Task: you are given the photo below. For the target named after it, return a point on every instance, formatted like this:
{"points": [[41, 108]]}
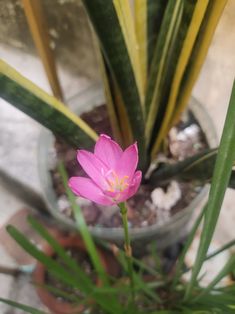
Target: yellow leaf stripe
{"points": [[213, 18], [141, 35], [126, 21], [50, 100], [108, 94], [153, 108], [37, 25], [185, 54]]}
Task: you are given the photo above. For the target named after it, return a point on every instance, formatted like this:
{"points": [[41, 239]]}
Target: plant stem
{"points": [[127, 245]]}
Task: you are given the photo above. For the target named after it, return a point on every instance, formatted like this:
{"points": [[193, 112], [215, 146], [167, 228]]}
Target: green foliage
{"points": [[25, 308], [140, 69], [44, 108], [221, 175]]}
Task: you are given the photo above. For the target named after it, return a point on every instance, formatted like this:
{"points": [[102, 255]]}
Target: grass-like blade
{"points": [[220, 180], [69, 262], [220, 250], [57, 270], [180, 263], [227, 269], [23, 307], [82, 226]]}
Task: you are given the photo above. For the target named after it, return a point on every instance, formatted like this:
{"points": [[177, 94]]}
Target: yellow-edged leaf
{"points": [[37, 25], [127, 135], [153, 108], [126, 21], [185, 54], [44, 108], [108, 94], [215, 11], [141, 36]]}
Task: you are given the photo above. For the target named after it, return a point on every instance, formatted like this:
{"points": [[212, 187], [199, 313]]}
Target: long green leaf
{"points": [[185, 53], [170, 25], [180, 262], [51, 265], [220, 250], [155, 13], [69, 262], [198, 167], [82, 227], [220, 180], [61, 273], [214, 11], [46, 109], [106, 23], [227, 269], [25, 308]]}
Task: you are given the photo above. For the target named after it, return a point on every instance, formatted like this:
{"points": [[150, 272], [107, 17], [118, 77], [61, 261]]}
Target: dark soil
{"points": [[142, 212]]}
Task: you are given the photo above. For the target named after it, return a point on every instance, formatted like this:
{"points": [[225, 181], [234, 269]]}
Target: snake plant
{"points": [[150, 55]]}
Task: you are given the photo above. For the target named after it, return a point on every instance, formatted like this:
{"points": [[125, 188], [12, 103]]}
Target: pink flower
{"points": [[112, 171]]}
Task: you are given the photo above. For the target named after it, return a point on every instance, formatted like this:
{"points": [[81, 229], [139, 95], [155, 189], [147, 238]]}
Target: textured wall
{"points": [[68, 29]]}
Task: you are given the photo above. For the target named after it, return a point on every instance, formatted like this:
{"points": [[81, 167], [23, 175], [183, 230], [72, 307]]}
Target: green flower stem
{"points": [[127, 244]]}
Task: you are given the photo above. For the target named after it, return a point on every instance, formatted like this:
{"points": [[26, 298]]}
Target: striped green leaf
{"points": [[205, 35], [162, 56], [108, 27], [182, 62], [46, 109], [155, 13]]}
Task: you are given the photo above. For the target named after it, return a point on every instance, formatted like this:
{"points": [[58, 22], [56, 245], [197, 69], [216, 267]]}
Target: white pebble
{"points": [[166, 200]]}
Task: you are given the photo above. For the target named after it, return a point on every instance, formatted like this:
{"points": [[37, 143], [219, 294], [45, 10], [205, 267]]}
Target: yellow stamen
{"points": [[117, 184]]}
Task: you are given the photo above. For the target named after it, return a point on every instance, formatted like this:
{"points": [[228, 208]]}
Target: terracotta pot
{"points": [[62, 307]]}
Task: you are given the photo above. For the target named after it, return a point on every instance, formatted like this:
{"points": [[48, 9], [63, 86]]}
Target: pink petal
{"points": [[128, 193], [108, 151], [86, 188], [93, 167], [128, 162]]}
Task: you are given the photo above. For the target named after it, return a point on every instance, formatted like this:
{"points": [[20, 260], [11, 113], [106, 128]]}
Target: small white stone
{"points": [[166, 200], [63, 203], [144, 223], [53, 33], [52, 44]]}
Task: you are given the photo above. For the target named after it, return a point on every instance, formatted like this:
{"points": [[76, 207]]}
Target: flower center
{"points": [[117, 184]]}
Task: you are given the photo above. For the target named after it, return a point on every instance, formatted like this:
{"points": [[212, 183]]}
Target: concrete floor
{"points": [[19, 134]]}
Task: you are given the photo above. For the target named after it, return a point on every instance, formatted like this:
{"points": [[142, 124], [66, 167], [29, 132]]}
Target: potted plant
{"points": [[149, 60], [164, 293]]}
